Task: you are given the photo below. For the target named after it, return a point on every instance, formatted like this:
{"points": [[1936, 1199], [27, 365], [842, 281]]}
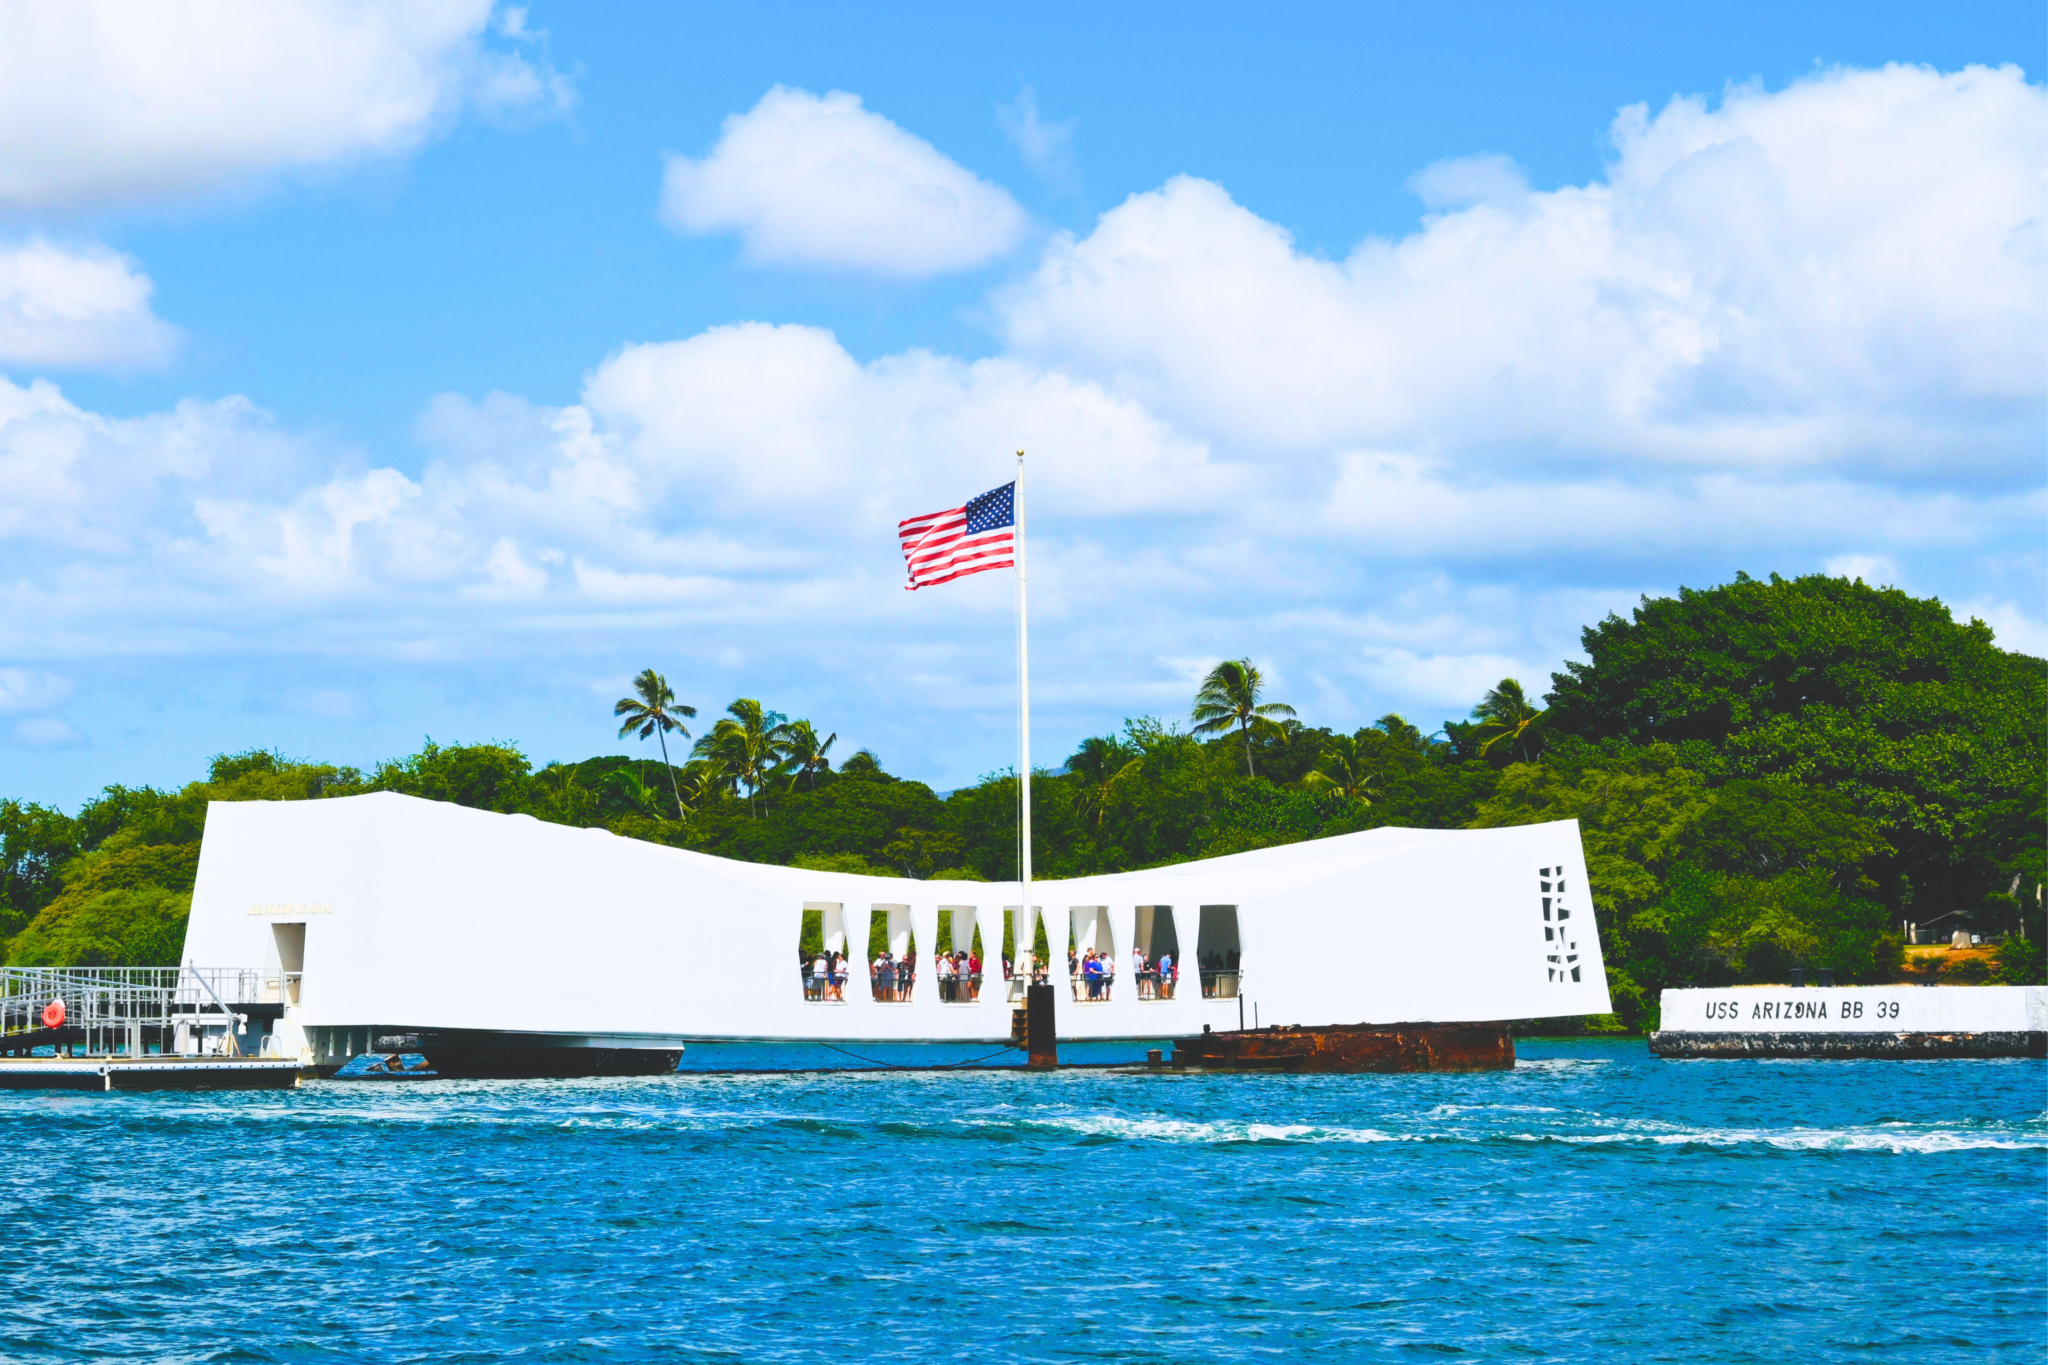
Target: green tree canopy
{"points": [[1096, 770], [1922, 724], [1345, 768]]}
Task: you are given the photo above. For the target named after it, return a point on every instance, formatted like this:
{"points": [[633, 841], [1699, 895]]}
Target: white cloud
{"points": [[1845, 274], [2012, 626], [1046, 146], [75, 307], [105, 101], [1880, 571], [751, 453], [756, 417], [814, 180], [1409, 506], [1462, 181], [45, 732], [29, 689], [1392, 672], [1393, 479], [81, 482]]}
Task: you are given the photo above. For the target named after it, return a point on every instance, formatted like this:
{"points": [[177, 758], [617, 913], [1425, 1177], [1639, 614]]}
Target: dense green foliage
{"points": [[1767, 775], [1921, 723]]}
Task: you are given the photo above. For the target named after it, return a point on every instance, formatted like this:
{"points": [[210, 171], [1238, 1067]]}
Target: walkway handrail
{"points": [[98, 998], [206, 985]]}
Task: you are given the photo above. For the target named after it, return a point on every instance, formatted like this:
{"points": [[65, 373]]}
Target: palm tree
{"points": [[1505, 714], [654, 711], [806, 753], [1406, 737], [1098, 769], [1230, 696], [748, 744], [1342, 769], [701, 781], [861, 761], [624, 786]]}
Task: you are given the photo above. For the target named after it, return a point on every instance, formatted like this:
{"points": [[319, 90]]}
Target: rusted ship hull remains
{"points": [[1357, 1048]]}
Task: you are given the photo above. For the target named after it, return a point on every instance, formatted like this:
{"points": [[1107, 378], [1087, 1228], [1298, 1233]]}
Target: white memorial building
{"points": [[376, 917]]}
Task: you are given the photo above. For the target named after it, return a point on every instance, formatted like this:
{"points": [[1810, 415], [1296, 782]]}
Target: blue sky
{"points": [[374, 373]]}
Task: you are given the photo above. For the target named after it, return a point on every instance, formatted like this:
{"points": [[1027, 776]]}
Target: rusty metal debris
{"points": [[1351, 1048]]}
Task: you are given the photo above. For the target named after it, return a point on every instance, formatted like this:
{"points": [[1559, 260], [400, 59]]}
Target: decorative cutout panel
{"points": [[1560, 949]]}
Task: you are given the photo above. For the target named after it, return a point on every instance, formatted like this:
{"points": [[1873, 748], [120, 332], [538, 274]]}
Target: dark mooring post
{"points": [[1038, 1028]]}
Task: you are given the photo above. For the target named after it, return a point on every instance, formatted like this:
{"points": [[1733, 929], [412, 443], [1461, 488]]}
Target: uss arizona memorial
{"points": [[555, 949]]}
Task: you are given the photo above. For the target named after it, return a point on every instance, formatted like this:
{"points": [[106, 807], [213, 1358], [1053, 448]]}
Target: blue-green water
{"points": [[1592, 1205]]}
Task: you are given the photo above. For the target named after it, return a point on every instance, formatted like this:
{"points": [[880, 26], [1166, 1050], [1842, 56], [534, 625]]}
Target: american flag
{"points": [[943, 546]]}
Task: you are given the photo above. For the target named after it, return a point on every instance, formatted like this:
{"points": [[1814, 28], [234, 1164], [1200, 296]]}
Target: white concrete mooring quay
{"points": [[1902, 1023]]}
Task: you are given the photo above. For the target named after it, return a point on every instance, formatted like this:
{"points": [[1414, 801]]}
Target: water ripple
{"points": [[1594, 1204]]}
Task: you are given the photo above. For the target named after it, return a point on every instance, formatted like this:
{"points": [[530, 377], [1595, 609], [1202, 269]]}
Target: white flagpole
{"points": [[1025, 915]]}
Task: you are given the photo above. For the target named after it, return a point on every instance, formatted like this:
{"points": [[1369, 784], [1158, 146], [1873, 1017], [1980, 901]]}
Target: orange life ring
{"points": [[53, 1014]]}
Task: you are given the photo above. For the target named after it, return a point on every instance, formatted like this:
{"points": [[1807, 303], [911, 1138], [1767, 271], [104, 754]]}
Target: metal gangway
{"points": [[124, 1009]]}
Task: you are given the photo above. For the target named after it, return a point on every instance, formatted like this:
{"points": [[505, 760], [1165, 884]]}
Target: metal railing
{"points": [[1152, 986], [1092, 990], [961, 988], [892, 985], [1220, 985], [827, 989], [109, 1006], [1021, 977]]}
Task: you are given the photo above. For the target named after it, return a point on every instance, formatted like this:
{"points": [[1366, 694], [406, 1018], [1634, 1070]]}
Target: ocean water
{"points": [[1592, 1205]]}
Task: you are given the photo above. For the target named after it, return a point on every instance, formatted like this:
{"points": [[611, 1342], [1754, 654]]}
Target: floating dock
{"points": [[148, 1073], [135, 1028], [1896, 1023]]}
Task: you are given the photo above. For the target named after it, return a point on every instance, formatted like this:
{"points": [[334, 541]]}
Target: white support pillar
{"points": [[923, 921], [1021, 937], [1123, 930], [995, 991], [1083, 931], [832, 928], [859, 985], [1026, 924], [1071, 938]]}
